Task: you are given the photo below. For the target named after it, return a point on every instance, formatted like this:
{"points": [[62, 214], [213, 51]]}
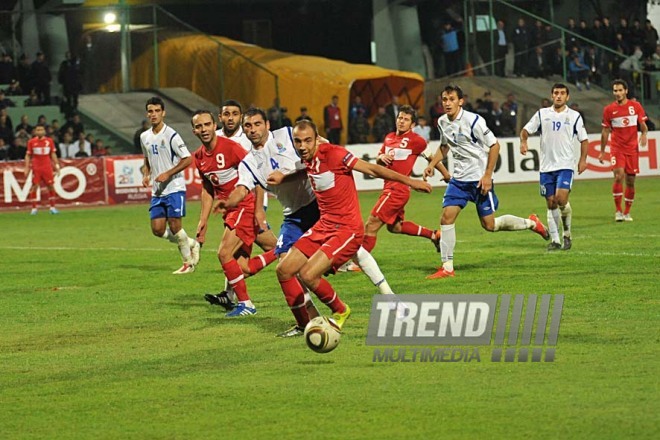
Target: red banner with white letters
{"points": [[87, 181]]}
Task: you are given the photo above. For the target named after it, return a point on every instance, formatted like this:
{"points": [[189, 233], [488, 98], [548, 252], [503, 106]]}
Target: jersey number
{"points": [[556, 125], [154, 149], [404, 143], [220, 159], [631, 110], [274, 164]]}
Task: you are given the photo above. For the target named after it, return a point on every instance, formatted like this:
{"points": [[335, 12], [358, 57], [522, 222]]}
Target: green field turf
{"points": [[99, 340]]}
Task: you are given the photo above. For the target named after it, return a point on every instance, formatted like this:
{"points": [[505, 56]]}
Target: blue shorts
{"points": [[295, 225], [460, 193], [554, 180], [169, 206]]}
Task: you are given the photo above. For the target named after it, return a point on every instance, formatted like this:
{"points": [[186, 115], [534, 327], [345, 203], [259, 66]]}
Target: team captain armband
{"points": [[349, 160]]}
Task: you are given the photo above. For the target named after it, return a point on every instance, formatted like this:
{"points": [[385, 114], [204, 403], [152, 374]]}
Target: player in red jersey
{"points": [[621, 119], [399, 152], [338, 234], [217, 163], [40, 157]]}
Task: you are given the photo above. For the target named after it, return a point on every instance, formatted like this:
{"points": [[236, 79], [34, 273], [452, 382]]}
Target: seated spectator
{"points": [[75, 124], [286, 120], [14, 88], [304, 115], [24, 125], [356, 108], [33, 100], [17, 149], [575, 106], [4, 150], [66, 145], [6, 131], [4, 101], [358, 129], [495, 123], [381, 125], [137, 145], [81, 152], [630, 70], [422, 128], [467, 105], [508, 119], [100, 149], [578, 70], [81, 145], [538, 68]]}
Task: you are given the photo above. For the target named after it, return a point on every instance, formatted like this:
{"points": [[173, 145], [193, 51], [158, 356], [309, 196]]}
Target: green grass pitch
{"points": [[99, 340]]}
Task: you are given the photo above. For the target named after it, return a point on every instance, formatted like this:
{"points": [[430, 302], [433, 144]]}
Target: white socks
{"points": [[183, 242], [512, 223], [370, 268], [447, 245], [553, 225]]}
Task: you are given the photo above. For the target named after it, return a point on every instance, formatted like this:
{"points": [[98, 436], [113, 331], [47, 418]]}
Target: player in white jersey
{"points": [[274, 165], [165, 158], [560, 126], [475, 151]]}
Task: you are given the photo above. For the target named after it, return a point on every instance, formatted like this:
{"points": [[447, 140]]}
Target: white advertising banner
{"points": [[514, 167]]}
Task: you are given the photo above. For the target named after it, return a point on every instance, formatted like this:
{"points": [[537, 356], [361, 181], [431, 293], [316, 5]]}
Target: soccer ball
{"points": [[322, 334]]}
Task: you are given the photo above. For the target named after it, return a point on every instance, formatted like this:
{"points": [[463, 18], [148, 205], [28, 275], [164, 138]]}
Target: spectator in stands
{"points": [[520, 41], [537, 67], [575, 106], [637, 35], [17, 149], [100, 149], [578, 69], [275, 115], [650, 39], [501, 49], [621, 44], [356, 107], [332, 121], [594, 61], [24, 124], [358, 128], [303, 115], [435, 111], [422, 128], [467, 105], [6, 131], [451, 49], [609, 32], [381, 125], [14, 88], [25, 75], [286, 120], [82, 144], [70, 77], [42, 78], [538, 35], [496, 119], [4, 150], [81, 152], [4, 101], [41, 120], [54, 135], [67, 146], [5, 113], [511, 108], [137, 145], [33, 100], [545, 102], [7, 69], [586, 33], [630, 71], [572, 40], [392, 112], [74, 123]]}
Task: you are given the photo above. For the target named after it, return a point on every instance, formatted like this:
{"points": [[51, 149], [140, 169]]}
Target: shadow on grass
{"points": [[319, 362]]}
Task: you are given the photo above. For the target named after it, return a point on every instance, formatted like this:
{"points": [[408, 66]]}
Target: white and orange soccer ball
{"points": [[322, 334]]}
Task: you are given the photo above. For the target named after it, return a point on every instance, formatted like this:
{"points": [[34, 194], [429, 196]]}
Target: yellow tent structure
{"points": [[219, 68]]}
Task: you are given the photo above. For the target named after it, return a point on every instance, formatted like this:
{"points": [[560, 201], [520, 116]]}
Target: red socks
{"points": [[410, 228], [617, 193], [236, 279], [255, 264]]}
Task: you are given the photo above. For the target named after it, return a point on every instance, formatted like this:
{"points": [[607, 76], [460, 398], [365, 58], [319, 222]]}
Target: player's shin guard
{"points": [[255, 264], [370, 268], [410, 228], [553, 224], [617, 193], [369, 242], [329, 297], [182, 241], [629, 199], [295, 298], [511, 223], [566, 218], [236, 279], [447, 245]]}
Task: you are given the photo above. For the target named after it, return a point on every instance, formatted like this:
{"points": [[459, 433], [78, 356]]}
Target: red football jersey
{"points": [[331, 176], [220, 167], [622, 120], [40, 150], [404, 149]]}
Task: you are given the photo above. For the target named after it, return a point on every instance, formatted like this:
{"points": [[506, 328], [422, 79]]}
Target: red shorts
{"points": [[44, 175], [241, 221], [628, 160], [339, 245], [389, 207]]}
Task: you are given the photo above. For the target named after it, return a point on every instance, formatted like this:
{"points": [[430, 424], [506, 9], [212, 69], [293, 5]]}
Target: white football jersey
{"points": [[559, 131], [469, 139], [278, 154], [239, 136], [164, 150]]}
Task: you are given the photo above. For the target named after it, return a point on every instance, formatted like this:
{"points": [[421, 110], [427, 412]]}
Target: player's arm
{"points": [[584, 149], [182, 165], [55, 161], [524, 135], [28, 160], [438, 166], [278, 176], [236, 197], [604, 136], [486, 182], [429, 171], [259, 211], [205, 211], [146, 173], [375, 170], [643, 138]]}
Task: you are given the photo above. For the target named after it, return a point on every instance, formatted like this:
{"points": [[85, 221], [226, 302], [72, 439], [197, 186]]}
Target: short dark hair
{"points": [[407, 109], [254, 111], [202, 112], [560, 86], [620, 82], [232, 103], [155, 100], [304, 123], [455, 88]]}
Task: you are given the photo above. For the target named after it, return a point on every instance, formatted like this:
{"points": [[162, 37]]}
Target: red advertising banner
{"points": [[81, 182], [124, 180]]}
